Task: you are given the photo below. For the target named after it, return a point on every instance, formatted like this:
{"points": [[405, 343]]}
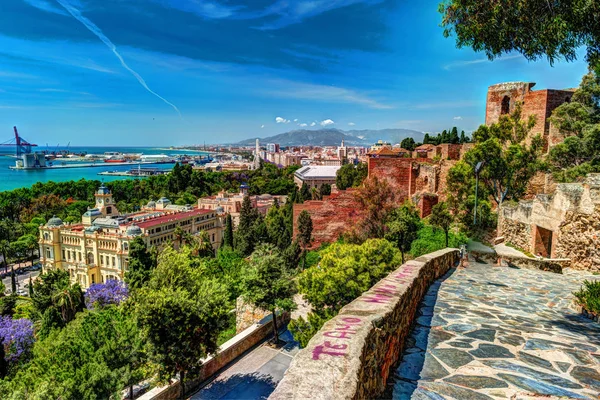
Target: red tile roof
{"points": [[171, 218], [427, 147]]}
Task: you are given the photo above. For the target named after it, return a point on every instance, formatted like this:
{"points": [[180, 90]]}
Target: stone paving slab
{"points": [[487, 332]]}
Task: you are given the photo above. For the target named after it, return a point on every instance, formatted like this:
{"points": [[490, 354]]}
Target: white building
{"points": [[316, 175]]}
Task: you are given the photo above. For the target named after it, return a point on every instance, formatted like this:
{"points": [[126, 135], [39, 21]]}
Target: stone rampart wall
{"points": [[351, 356], [517, 233], [579, 240]]}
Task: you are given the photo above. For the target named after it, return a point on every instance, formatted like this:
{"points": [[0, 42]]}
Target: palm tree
{"points": [[68, 298], [202, 245]]}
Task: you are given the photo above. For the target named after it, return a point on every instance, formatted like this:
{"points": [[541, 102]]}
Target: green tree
{"points": [[269, 284], [56, 300], [408, 144], [94, 357], [276, 227], [403, 225], [376, 200], [305, 193], [345, 177], [579, 121], [245, 239], [228, 236], [344, 272], [141, 264], [509, 161], [202, 245], [13, 281], [181, 314], [325, 189], [558, 30], [440, 217], [304, 236], [453, 136]]}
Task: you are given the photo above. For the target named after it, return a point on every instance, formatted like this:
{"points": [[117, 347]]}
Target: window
{"points": [[101, 260], [46, 236], [48, 253], [505, 105], [114, 261], [93, 279], [90, 258], [63, 254], [79, 255], [109, 210]]}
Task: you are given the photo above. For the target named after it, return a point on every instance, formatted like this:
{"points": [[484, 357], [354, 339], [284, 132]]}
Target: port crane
{"points": [[22, 145]]}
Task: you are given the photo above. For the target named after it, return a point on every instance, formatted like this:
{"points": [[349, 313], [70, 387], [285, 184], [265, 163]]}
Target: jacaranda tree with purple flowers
{"points": [[103, 294], [17, 338]]}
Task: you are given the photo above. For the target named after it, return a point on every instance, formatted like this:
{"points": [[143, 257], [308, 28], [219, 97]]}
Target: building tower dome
{"points": [[54, 222], [103, 190], [134, 230]]}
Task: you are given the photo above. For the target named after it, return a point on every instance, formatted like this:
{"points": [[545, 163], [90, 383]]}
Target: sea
{"points": [[12, 179]]}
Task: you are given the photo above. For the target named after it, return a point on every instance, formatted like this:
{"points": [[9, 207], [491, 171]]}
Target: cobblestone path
{"points": [[486, 332]]}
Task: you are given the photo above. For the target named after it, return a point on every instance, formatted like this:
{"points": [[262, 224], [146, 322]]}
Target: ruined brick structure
{"points": [[565, 224], [502, 98], [420, 180], [331, 216]]}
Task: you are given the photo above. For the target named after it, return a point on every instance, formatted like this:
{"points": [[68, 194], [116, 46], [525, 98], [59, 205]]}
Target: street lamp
{"points": [[478, 168]]}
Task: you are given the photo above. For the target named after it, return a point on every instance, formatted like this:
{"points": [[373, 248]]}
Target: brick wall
{"points": [[450, 151], [426, 203], [331, 217]]}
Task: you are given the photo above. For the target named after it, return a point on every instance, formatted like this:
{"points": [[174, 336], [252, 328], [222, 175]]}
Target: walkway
{"points": [[486, 332], [254, 376]]}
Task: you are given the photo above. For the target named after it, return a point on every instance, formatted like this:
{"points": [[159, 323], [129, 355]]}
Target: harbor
{"points": [[138, 172], [72, 163]]}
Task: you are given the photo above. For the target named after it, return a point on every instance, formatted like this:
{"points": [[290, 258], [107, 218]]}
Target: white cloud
{"points": [[457, 118], [466, 63], [313, 124], [296, 120], [262, 126], [303, 125], [351, 124], [280, 120], [327, 122]]}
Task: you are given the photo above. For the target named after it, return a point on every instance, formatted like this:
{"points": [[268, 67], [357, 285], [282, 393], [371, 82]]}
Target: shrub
{"points": [[432, 239], [589, 296]]}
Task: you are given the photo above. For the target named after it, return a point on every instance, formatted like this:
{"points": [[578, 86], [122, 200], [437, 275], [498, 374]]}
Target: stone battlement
{"points": [[351, 356], [564, 224]]}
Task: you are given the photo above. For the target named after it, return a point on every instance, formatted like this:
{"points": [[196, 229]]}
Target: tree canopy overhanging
{"points": [[534, 28]]}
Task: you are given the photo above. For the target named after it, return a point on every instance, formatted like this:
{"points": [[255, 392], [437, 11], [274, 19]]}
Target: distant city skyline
{"points": [[176, 72]]}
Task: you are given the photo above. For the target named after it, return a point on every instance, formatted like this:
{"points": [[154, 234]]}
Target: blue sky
{"points": [[175, 72]]}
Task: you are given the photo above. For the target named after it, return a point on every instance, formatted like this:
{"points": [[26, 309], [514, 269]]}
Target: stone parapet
{"points": [[351, 356]]}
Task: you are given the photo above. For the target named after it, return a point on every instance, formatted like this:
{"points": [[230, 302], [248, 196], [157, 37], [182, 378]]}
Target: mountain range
{"points": [[333, 137]]}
